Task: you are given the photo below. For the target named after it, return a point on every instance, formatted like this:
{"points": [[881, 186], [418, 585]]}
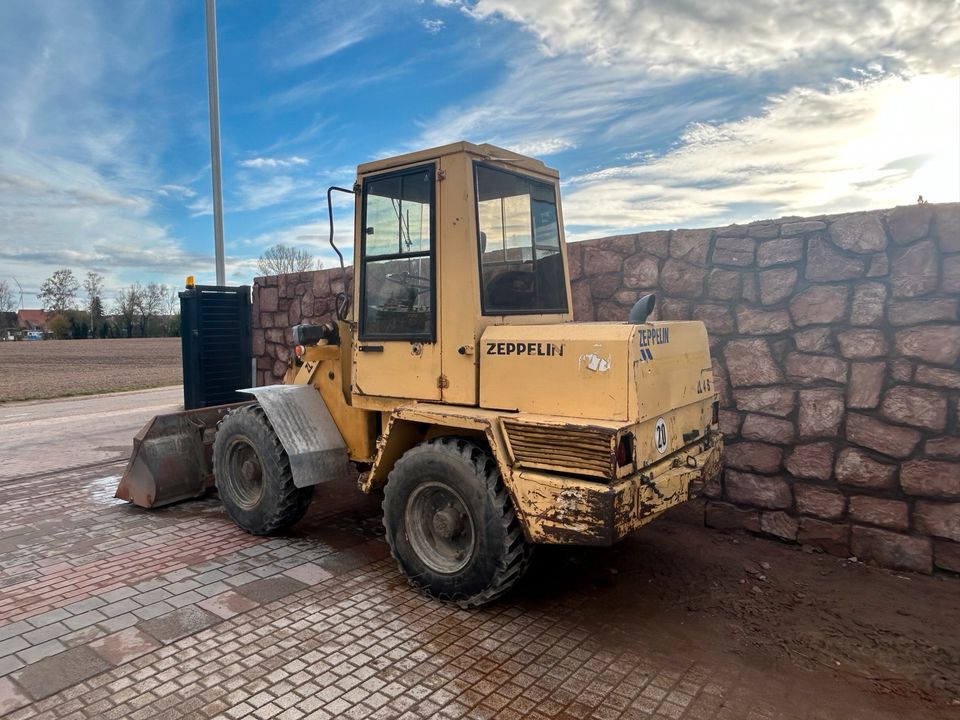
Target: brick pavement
{"points": [[109, 611]]}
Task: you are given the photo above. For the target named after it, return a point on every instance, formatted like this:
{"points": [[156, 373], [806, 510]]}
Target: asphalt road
{"points": [[46, 436]]}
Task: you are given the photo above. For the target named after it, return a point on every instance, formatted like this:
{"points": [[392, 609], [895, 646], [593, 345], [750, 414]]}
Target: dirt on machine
{"points": [[458, 383]]}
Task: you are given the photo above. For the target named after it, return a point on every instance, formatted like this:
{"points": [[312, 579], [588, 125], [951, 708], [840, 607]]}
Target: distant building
{"points": [[32, 320], [9, 326]]}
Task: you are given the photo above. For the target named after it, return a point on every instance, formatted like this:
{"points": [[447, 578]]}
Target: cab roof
{"points": [[484, 151]]}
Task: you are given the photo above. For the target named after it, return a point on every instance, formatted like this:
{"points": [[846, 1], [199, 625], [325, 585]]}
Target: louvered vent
{"points": [[579, 451]]}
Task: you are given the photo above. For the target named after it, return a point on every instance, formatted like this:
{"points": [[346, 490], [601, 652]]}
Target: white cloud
{"points": [[271, 163], [875, 144], [432, 26]]}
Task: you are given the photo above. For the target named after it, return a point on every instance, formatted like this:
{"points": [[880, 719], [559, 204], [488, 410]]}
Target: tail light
{"points": [[625, 450], [298, 350]]}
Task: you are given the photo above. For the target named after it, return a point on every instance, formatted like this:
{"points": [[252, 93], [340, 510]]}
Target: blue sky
{"points": [[657, 114]]}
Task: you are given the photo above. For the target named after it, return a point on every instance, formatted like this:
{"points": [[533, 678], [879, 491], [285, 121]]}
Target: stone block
{"points": [[763, 230], [950, 282], [58, 672], [803, 368], [940, 519], [915, 270], [767, 429], [866, 384], [641, 271], [879, 266], [582, 301], [269, 589], [938, 344], [749, 362], [941, 377], [778, 401], [622, 244], [946, 224], [813, 460], [792, 229], [753, 457], [855, 467], [832, 538], [892, 550], [819, 501], [604, 286], [743, 488], [717, 318], [915, 406], [738, 252], [178, 624], [868, 432], [820, 305], [761, 322], [780, 252], [814, 340], [869, 299], [721, 383], [862, 344], [269, 299], [723, 516], [948, 447], [946, 556], [901, 370], [682, 279], [124, 646], [749, 290], [779, 524], [598, 262], [729, 423], [861, 233], [690, 246], [821, 412], [890, 514], [930, 477], [259, 342], [672, 309], [723, 284], [914, 312], [826, 264], [655, 243], [777, 284], [909, 223]]}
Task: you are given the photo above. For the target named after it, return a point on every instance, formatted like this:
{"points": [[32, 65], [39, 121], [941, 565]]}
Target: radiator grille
{"points": [[580, 451]]}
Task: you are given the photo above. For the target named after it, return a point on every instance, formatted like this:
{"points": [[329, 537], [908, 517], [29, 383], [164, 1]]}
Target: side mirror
{"points": [[641, 309]]}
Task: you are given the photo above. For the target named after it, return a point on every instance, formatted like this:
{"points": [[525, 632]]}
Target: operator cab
{"points": [[449, 241]]}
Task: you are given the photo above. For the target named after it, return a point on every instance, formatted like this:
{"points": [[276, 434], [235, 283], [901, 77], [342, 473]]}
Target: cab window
{"points": [[521, 267], [397, 288]]}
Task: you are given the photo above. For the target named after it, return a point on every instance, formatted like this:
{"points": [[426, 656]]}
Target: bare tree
{"points": [[59, 291], [7, 302], [126, 306], [93, 287], [281, 259], [151, 301]]}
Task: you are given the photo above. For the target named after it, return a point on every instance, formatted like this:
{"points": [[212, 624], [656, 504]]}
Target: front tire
{"points": [[451, 525], [253, 475]]}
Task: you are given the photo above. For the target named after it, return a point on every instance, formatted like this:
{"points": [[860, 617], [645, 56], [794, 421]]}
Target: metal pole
{"points": [[214, 93]]}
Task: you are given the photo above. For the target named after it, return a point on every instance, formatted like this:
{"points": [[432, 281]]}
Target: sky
{"points": [[657, 113]]}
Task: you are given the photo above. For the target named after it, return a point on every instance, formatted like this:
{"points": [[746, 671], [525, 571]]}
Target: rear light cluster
{"points": [[625, 450]]}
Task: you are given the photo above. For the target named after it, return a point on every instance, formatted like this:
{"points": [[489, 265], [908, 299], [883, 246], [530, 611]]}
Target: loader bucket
{"points": [[172, 457]]}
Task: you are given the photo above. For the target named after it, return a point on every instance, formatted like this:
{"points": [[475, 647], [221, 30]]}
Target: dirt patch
{"points": [[58, 368], [858, 633]]}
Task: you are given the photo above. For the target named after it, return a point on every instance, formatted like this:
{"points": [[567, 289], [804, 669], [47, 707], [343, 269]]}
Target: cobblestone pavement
{"points": [[110, 611]]}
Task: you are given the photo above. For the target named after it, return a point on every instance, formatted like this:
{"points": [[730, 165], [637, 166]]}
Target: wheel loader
{"points": [[461, 387]]}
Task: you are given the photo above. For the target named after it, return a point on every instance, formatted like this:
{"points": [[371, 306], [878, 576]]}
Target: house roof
{"points": [[32, 319]]}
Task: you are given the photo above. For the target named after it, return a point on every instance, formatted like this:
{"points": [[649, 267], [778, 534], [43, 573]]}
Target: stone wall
{"points": [[835, 342]]}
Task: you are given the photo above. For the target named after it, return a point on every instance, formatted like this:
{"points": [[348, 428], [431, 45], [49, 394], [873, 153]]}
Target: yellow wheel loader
{"points": [[461, 386]]}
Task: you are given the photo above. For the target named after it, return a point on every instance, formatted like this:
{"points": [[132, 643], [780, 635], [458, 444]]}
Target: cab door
{"points": [[397, 351]]}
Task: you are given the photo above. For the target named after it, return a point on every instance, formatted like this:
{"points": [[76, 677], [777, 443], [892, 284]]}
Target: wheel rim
{"points": [[245, 473], [439, 527]]}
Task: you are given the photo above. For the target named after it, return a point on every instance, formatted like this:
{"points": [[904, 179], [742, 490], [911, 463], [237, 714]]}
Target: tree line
{"points": [[151, 310]]}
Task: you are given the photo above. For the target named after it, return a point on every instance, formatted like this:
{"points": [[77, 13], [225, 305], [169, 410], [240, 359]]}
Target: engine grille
{"points": [[580, 451]]}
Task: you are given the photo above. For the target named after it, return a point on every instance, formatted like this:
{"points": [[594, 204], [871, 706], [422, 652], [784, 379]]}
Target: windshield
{"points": [[521, 266]]}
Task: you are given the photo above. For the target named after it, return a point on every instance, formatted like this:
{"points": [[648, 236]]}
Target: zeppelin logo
{"points": [[525, 348], [654, 336]]}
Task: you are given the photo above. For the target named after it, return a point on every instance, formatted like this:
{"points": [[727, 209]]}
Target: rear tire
{"points": [[253, 475], [451, 525]]}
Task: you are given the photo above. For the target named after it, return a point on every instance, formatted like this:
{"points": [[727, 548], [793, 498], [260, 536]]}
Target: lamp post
{"points": [[214, 96]]}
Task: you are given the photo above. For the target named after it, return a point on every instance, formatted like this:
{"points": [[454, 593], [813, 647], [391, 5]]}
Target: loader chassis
{"points": [[463, 389]]}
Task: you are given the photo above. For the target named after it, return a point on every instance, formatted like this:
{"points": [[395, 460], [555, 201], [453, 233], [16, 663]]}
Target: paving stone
{"points": [[119, 623], [309, 573], [178, 624], [16, 628], [269, 589], [124, 646], [40, 651], [227, 604], [152, 611], [12, 645], [55, 673], [83, 620], [12, 696]]}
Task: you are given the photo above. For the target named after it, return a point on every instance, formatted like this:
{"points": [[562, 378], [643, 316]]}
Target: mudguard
{"points": [[307, 431]]}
